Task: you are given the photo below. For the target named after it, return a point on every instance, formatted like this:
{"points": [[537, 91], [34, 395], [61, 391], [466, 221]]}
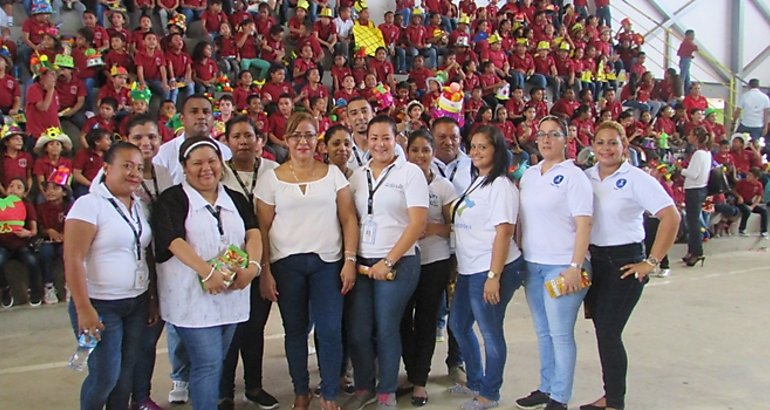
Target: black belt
{"points": [[631, 248]]}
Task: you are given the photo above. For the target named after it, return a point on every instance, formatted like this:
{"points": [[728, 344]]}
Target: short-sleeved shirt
{"points": [[38, 121], [151, 64], [113, 270], [89, 162], [619, 204], [550, 203], [402, 185], [436, 248], [44, 167], [178, 62], [9, 91], [69, 91], [16, 167], [51, 216], [753, 105], [748, 190]]}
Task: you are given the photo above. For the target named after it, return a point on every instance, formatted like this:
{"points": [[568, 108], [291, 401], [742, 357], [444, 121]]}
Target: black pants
{"points": [[746, 212], [693, 205], [418, 325], [650, 230], [611, 301], [249, 340]]}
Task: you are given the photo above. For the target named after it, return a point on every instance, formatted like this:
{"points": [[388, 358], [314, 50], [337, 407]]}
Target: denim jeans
{"points": [[517, 79], [28, 258], [111, 364], [249, 342], [684, 72], [604, 15], [754, 132], [156, 86], [468, 307], [406, 13], [418, 325], [92, 92], [746, 213], [188, 89], [554, 321], [538, 80], [650, 231], [373, 320], [610, 301], [177, 356], [145, 363], [47, 254], [401, 62], [430, 54], [207, 347], [693, 205], [308, 286], [191, 15]]}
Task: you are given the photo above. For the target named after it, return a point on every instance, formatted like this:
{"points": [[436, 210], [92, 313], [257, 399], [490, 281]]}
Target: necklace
{"points": [[291, 168]]}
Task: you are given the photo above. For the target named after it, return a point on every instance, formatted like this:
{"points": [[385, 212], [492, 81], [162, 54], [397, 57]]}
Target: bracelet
{"points": [[211, 273], [258, 265], [350, 253], [350, 258]]}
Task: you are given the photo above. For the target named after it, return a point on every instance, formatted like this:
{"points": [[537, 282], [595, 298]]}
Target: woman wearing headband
{"points": [[208, 249]]}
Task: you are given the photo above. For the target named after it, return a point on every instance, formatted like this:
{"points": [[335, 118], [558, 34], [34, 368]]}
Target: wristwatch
{"points": [[389, 263], [576, 265], [491, 274], [652, 261]]}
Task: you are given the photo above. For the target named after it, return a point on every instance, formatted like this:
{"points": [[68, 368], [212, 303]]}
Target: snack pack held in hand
{"points": [[231, 259], [364, 270], [556, 287]]}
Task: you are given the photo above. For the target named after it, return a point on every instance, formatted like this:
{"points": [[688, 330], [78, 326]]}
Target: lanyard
{"points": [[452, 175], [372, 190], [465, 194], [155, 185], [217, 214], [359, 160], [137, 234], [249, 193]]}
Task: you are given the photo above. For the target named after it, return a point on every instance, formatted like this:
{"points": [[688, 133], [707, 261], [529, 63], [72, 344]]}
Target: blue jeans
{"points": [[468, 307], [430, 54], [554, 321], [92, 92], [636, 105], [538, 80], [401, 60], [27, 257], [754, 132], [407, 15], [48, 251], [111, 364], [308, 286], [145, 363], [604, 15], [373, 320], [177, 355], [156, 86], [684, 72], [192, 15], [189, 89], [517, 79], [207, 347]]}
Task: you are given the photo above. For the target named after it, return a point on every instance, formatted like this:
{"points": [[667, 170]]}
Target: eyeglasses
{"points": [[550, 134], [296, 137]]}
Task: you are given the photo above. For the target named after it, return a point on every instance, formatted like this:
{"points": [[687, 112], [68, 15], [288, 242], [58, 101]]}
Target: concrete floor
{"points": [[697, 340]]}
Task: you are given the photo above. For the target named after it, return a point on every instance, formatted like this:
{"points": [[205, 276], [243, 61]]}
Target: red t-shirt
{"points": [[487, 80], [68, 92], [89, 162], [325, 30], [687, 48], [541, 108], [416, 35], [302, 65], [498, 58], [319, 91], [663, 124], [227, 47], [345, 95], [240, 95], [339, 73], [543, 65], [381, 69], [239, 17], [744, 160], [564, 66], [35, 29], [178, 62], [419, 75], [98, 122], [276, 124], [38, 121], [206, 69], [82, 71], [44, 166], [271, 91], [101, 37], [749, 189], [523, 63], [150, 63], [9, 90], [515, 108], [565, 106], [249, 48], [212, 21], [691, 103], [116, 59], [270, 55], [264, 25], [16, 167], [123, 95], [51, 216], [391, 33], [137, 39]]}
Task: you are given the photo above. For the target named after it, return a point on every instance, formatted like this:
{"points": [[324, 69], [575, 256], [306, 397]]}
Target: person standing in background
{"points": [[686, 54], [752, 113]]}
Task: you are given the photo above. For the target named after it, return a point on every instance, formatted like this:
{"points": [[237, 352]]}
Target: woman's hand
{"points": [[216, 283], [243, 277], [639, 270], [572, 278], [348, 276], [89, 323], [153, 312], [492, 291], [267, 287], [379, 271]]}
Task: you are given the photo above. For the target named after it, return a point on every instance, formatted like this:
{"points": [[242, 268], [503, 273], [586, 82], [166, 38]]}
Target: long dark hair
{"points": [[501, 160]]}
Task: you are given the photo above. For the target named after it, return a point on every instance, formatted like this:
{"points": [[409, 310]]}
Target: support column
{"points": [[737, 8]]}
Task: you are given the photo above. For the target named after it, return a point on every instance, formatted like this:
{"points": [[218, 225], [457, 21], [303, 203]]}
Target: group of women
{"points": [[365, 255]]}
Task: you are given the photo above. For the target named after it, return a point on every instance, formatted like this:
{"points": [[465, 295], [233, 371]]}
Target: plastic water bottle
{"points": [[79, 360]]}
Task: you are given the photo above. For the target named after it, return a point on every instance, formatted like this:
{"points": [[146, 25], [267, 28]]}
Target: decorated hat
{"points": [[360, 53], [325, 12], [383, 96], [360, 5], [179, 20], [61, 176], [464, 19], [504, 93], [10, 130], [175, 123], [116, 71], [303, 4], [40, 64], [41, 7], [462, 41], [417, 12], [93, 58], [5, 53], [493, 39], [522, 42], [64, 61], [51, 32], [140, 94], [564, 46], [414, 103], [709, 111], [543, 45], [450, 103], [52, 134], [340, 103], [577, 27]]}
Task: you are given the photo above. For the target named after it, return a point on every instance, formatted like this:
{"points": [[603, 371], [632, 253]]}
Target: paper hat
{"points": [[325, 12], [360, 53], [464, 19], [10, 130], [709, 111], [175, 123], [738, 135], [340, 103], [504, 92], [462, 41], [39, 64], [93, 58], [61, 176], [41, 7], [360, 5], [49, 135], [417, 12], [414, 103], [450, 104], [303, 4], [544, 45], [564, 46], [52, 32], [140, 94], [577, 27], [493, 39], [522, 42], [179, 20], [116, 71], [6, 55], [64, 61], [383, 96]]}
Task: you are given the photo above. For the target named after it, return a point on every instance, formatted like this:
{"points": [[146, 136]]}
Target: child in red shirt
{"points": [[16, 162], [272, 47], [151, 67], [340, 70], [117, 89], [276, 125], [474, 104], [515, 105], [118, 56], [325, 31], [383, 68], [213, 18], [10, 92], [88, 161], [314, 88], [42, 106], [227, 52], [137, 36], [348, 91], [51, 215], [302, 65], [206, 72], [104, 120], [360, 68], [242, 91], [17, 244], [179, 68], [505, 126], [748, 195], [277, 86], [51, 150]]}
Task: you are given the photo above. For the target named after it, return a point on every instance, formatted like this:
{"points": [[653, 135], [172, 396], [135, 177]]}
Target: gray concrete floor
{"points": [[697, 340]]}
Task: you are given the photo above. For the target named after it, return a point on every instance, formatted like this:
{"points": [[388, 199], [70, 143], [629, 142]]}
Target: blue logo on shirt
{"points": [[558, 179], [621, 183]]}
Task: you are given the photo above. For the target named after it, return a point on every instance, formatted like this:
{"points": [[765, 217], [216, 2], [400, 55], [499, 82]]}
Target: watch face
{"points": [[491, 275]]}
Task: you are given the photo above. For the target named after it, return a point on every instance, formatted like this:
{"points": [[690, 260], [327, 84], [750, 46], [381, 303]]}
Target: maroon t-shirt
{"points": [[88, 162], [9, 90], [51, 216], [38, 121], [150, 63], [16, 167], [69, 91], [44, 166]]}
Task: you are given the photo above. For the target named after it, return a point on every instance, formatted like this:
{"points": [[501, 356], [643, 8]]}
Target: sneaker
{"points": [[148, 405], [349, 389], [555, 405], [462, 390], [763, 235], [361, 399], [179, 393], [440, 335], [535, 400], [317, 391], [457, 374], [664, 273], [743, 233], [226, 404], [49, 296], [386, 401], [7, 298], [477, 405], [34, 298], [262, 399]]}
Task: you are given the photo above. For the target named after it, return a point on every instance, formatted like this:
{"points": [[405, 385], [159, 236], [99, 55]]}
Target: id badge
{"points": [[368, 231], [452, 239], [141, 278]]}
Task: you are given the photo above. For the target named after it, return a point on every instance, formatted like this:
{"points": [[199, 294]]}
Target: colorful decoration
{"points": [[13, 213], [179, 21], [140, 94], [175, 124], [384, 97], [230, 260], [369, 38], [326, 12], [223, 84], [64, 61], [5, 53], [450, 104], [116, 71], [61, 176], [39, 64], [504, 93], [93, 58], [49, 135], [360, 5], [10, 130], [41, 7], [303, 4]]}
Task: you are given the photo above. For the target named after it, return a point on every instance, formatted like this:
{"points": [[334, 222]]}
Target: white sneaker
{"points": [[179, 393], [743, 233], [49, 297], [763, 235], [664, 273]]}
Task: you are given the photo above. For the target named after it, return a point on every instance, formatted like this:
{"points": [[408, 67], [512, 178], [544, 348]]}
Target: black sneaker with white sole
{"points": [[35, 298], [262, 399], [555, 405], [535, 400], [7, 298]]}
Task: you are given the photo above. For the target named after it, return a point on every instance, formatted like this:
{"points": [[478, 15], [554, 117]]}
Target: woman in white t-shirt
{"points": [[106, 270], [338, 148], [489, 266], [196, 223], [696, 178], [418, 327], [622, 194], [556, 210], [307, 215], [391, 197]]}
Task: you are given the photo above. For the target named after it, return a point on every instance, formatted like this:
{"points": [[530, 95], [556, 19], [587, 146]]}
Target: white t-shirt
{"points": [[753, 105], [696, 175], [483, 209], [360, 157], [403, 187], [229, 179], [458, 172], [304, 223], [168, 156], [344, 28], [549, 205], [182, 301], [619, 204], [435, 248], [148, 187], [112, 269]]}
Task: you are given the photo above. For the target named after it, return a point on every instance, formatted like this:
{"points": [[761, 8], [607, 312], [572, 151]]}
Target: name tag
{"points": [[141, 278], [368, 231]]}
